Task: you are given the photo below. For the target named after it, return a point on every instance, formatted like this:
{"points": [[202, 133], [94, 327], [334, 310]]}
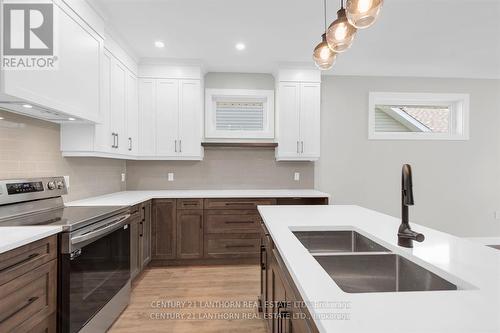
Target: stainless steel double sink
{"points": [[359, 265]]}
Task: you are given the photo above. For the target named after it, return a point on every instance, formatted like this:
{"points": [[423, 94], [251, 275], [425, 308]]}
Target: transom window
{"points": [[414, 116]]}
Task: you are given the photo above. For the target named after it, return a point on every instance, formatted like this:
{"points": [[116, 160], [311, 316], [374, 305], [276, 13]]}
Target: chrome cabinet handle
{"points": [[297, 147], [117, 141], [180, 146], [114, 140], [130, 144], [302, 147], [176, 146]]}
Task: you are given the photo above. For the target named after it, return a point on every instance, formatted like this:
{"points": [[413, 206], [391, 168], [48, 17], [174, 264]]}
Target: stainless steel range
{"points": [[94, 259]]}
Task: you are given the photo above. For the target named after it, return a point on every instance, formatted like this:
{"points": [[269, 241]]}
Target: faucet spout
{"points": [[406, 236]]}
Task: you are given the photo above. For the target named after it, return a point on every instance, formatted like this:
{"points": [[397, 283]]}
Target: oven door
{"points": [[95, 268]]}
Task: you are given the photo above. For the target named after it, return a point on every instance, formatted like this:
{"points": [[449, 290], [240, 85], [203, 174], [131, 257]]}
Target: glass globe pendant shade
{"points": [[363, 13], [323, 56], [340, 33]]}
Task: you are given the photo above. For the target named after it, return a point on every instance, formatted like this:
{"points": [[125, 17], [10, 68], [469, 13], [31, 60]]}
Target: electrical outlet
{"points": [[123, 177], [170, 176], [66, 180], [296, 176]]}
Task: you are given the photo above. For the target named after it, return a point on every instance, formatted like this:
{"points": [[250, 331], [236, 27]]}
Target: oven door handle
{"points": [[96, 233]]}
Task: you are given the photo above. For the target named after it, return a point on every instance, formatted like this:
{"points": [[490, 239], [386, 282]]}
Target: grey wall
{"points": [[30, 148], [239, 81], [221, 169], [456, 183]]}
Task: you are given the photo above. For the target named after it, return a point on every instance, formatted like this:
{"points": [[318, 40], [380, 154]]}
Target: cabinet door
{"points": [[72, 88], [103, 133], [190, 118], [278, 299], [134, 248], [310, 120], [189, 233], [288, 120], [164, 229], [147, 118], [118, 79], [146, 234], [167, 113], [132, 108]]}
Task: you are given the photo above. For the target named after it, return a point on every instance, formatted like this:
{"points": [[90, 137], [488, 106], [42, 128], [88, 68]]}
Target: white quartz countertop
{"points": [[14, 237], [128, 198], [474, 268], [486, 240]]}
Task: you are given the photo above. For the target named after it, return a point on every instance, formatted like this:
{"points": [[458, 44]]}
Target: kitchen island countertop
{"points": [[474, 268]]}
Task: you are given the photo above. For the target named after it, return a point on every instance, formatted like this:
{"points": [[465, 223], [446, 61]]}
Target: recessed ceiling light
{"points": [[240, 46], [71, 119], [159, 44], [27, 106]]}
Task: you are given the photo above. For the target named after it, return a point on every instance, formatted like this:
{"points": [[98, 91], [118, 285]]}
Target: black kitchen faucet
{"points": [[406, 236]]}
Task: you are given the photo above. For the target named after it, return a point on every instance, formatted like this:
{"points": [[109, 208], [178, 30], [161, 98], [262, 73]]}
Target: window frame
{"points": [[458, 105], [238, 95]]}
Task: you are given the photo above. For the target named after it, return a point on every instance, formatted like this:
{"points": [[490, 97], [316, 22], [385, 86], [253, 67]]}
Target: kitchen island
{"points": [[474, 269]]}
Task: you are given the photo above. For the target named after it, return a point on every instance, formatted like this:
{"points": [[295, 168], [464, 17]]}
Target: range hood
{"points": [[35, 111]]}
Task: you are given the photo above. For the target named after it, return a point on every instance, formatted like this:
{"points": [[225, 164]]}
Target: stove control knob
{"points": [[51, 185], [60, 185]]}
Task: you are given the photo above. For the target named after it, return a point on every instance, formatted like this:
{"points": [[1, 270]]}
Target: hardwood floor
{"points": [[194, 299]]}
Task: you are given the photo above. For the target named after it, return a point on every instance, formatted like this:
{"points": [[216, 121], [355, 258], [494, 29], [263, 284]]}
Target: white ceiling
{"points": [[435, 38]]}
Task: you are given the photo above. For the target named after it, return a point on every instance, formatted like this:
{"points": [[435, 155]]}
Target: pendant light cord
{"points": [[341, 4], [324, 10]]}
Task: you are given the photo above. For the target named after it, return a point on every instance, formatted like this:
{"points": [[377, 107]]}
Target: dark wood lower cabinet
{"points": [[145, 225], [189, 233], [281, 304], [140, 238], [210, 231], [134, 242], [163, 229], [28, 288]]}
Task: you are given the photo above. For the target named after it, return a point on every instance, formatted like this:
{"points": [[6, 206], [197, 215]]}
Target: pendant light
{"points": [[363, 13], [323, 56], [340, 33]]}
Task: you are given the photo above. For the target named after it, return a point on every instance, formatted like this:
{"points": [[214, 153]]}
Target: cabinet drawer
{"points": [[237, 203], [189, 203], [232, 223], [29, 299], [25, 258], [232, 246]]}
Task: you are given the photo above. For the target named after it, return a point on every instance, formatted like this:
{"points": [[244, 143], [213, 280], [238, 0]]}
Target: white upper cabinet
{"points": [[167, 117], [118, 101], [70, 90], [309, 120], [190, 119], [147, 119], [132, 114], [170, 119], [298, 115], [116, 135], [104, 139]]}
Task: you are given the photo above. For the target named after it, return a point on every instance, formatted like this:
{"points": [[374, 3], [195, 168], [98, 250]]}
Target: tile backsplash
{"points": [[30, 148], [221, 169]]}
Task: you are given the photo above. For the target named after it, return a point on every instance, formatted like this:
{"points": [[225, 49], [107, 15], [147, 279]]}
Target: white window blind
{"points": [[239, 116]]}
